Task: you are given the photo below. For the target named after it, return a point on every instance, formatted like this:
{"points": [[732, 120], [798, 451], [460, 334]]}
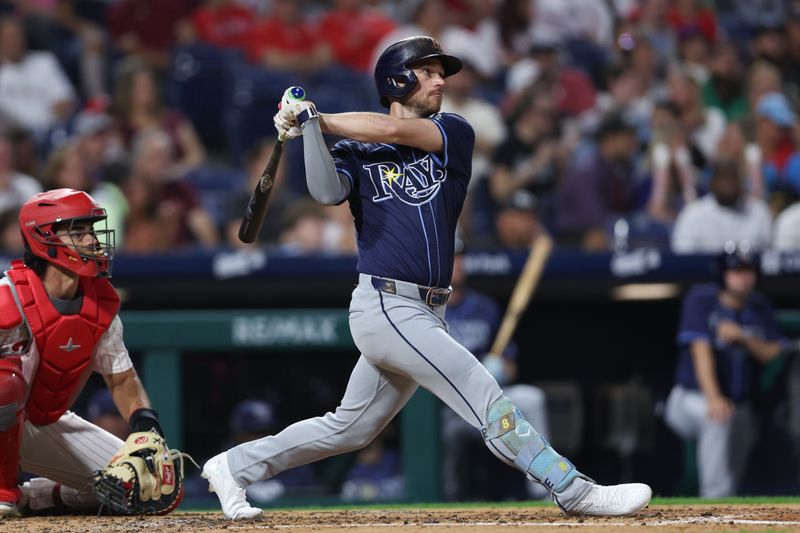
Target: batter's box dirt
{"points": [[784, 517]]}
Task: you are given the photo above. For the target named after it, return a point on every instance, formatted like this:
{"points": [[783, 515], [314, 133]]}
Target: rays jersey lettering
{"points": [[413, 183], [406, 201]]}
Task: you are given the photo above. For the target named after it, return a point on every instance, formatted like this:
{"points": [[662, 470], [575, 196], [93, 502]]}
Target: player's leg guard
{"points": [[508, 430], [12, 398]]}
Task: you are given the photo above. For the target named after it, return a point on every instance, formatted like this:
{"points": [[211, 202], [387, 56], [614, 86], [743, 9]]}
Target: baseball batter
{"points": [[58, 323], [405, 177]]}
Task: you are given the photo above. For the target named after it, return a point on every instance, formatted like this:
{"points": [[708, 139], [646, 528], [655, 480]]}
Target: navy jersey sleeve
{"points": [[697, 306], [346, 163], [458, 140]]}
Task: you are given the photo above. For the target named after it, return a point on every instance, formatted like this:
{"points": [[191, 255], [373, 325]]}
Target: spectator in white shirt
{"points": [[726, 213], [787, 229], [34, 91]]}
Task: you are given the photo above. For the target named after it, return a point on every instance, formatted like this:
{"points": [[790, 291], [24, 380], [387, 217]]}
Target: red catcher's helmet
{"points": [[47, 212]]}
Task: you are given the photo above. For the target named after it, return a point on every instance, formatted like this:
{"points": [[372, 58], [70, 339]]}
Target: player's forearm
{"points": [[360, 126], [127, 392], [324, 184], [761, 349], [368, 127], [705, 369]]}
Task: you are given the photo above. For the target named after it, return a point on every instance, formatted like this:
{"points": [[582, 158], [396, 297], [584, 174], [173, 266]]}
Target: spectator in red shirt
{"points": [[352, 29], [285, 40], [223, 23], [147, 28], [687, 17]]}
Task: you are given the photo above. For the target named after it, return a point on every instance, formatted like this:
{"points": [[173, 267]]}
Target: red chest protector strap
{"points": [[65, 342]]}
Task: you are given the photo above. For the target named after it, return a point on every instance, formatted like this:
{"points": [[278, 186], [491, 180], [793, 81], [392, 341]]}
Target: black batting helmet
{"points": [[734, 257], [393, 75]]}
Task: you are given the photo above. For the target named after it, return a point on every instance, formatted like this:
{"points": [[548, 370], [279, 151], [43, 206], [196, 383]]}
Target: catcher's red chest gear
{"points": [[65, 342]]}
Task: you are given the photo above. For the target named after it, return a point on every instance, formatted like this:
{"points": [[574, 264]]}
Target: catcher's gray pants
{"points": [[67, 452], [403, 344], [721, 446]]}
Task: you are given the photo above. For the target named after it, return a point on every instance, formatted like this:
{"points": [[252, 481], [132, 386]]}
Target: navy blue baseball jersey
{"points": [[702, 312], [406, 202]]}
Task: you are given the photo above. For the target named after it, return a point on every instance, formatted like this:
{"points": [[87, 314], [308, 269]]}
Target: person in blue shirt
{"points": [[405, 176], [725, 327]]}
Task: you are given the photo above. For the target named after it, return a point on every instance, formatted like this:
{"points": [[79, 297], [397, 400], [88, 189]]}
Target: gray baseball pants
{"points": [[404, 344], [722, 447]]}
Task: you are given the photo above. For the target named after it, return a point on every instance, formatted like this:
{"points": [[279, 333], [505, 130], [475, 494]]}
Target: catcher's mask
{"points": [[55, 224]]}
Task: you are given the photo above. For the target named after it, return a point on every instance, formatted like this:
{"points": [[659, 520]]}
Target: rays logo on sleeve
{"points": [[412, 183]]}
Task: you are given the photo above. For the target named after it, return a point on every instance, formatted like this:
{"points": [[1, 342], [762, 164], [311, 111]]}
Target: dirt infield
{"points": [[785, 517]]}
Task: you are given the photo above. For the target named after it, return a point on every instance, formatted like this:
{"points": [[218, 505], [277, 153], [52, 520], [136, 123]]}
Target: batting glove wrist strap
{"points": [[306, 114]]}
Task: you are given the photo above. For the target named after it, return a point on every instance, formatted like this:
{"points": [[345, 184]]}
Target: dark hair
{"points": [[34, 262], [668, 106], [612, 125]]}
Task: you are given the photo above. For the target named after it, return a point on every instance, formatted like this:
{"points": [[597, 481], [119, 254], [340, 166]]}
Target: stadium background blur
{"points": [[641, 134]]}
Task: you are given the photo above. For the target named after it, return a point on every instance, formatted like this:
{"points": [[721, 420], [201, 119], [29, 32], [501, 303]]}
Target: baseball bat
{"points": [[523, 290], [256, 209]]}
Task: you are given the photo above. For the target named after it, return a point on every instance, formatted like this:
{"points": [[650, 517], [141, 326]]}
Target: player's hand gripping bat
{"points": [[257, 206]]}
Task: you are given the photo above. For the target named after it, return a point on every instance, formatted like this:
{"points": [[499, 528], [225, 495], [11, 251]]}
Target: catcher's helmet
{"points": [[734, 257], [46, 213], [393, 75]]}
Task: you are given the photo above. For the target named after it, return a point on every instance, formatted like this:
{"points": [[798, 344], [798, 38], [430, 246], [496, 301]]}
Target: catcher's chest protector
{"points": [[65, 342]]}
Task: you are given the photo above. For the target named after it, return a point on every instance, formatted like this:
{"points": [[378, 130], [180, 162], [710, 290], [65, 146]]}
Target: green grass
{"points": [[337, 506]]}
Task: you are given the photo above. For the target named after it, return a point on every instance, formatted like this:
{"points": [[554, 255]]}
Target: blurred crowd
{"points": [[607, 123]]}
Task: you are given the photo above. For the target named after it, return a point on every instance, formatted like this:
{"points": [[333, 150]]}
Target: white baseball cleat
{"points": [[583, 497], [232, 497], [8, 510]]}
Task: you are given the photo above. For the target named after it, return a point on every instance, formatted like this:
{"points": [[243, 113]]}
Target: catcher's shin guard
{"points": [[12, 397], [508, 429]]}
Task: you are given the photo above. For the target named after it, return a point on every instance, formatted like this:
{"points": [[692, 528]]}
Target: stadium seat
{"points": [[198, 84], [255, 92], [215, 184]]}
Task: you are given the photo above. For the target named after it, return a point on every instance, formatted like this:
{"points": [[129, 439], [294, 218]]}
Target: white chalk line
{"points": [[644, 522]]}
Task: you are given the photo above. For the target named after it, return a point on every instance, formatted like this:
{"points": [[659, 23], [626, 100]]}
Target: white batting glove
{"points": [[295, 107], [287, 129]]}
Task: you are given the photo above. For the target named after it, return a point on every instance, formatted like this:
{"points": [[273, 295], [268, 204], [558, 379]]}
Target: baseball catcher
{"points": [[59, 323]]}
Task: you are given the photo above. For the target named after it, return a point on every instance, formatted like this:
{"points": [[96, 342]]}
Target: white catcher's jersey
{"points": [[110, 354]]}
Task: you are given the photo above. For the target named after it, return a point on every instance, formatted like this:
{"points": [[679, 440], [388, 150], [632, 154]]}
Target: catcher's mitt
{"points": [[143, 477]]}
